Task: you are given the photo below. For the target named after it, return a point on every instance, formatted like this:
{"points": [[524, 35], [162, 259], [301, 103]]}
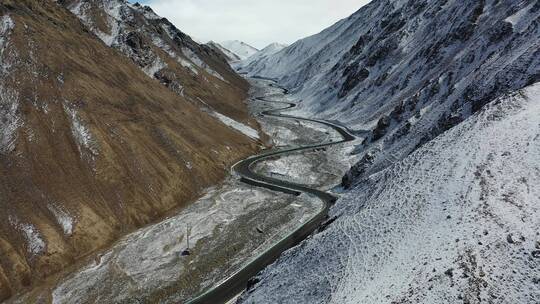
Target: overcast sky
{"points": [[256, 22]]}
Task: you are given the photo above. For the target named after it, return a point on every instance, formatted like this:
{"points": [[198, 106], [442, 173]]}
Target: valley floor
{"points": [[232, 223]]}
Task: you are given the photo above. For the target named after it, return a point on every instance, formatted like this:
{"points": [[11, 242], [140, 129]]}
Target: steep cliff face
{"points": [[90, 146], [165, 53], [409, 70], [456, 221], [440, 208]]}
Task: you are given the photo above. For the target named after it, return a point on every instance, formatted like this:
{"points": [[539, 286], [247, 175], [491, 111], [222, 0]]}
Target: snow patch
{"points": [[35, 243], [515, 18], [246, 130], [109, 38], [157, 41], [77, 9], [188, 65], [113, 10], [156, 66], [63, 218], [10, 120], [81, 133], [6, 25], [198, 62]]}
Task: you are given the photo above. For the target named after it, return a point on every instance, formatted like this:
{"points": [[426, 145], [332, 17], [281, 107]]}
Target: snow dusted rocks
{"points": [[115, 23], [410, 70], [84, 139], [454, 222], [63, 218], [10, 120], [440, 207], [34, 241], [164, 52], [6, 26]]}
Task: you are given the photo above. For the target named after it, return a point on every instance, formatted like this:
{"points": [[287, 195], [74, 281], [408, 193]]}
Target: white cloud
{"points": [[254, 21]]}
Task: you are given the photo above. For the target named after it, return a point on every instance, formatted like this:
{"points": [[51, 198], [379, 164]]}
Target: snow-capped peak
{"points": [[231, 57], [242, 49], [274, 47], [269, 50]]}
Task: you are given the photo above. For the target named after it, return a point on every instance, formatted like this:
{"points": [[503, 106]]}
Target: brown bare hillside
{"points": [[194, 71], [90, 146]]}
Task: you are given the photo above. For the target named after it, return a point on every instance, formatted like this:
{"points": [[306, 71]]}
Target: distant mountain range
{"points": [[243, 54]]}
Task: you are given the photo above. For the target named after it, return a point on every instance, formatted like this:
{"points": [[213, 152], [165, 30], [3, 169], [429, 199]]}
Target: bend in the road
{"points": [[237, 282]]}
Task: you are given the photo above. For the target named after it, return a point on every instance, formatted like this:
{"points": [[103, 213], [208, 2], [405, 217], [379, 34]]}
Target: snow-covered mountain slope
{"points": [[91, 148], [260, 55], [165, 53], [409, 70], [454, 222], [241, 49], [231, 57]]}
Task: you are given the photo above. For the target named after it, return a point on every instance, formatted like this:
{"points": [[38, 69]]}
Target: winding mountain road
{"points": [[234, 284]]}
